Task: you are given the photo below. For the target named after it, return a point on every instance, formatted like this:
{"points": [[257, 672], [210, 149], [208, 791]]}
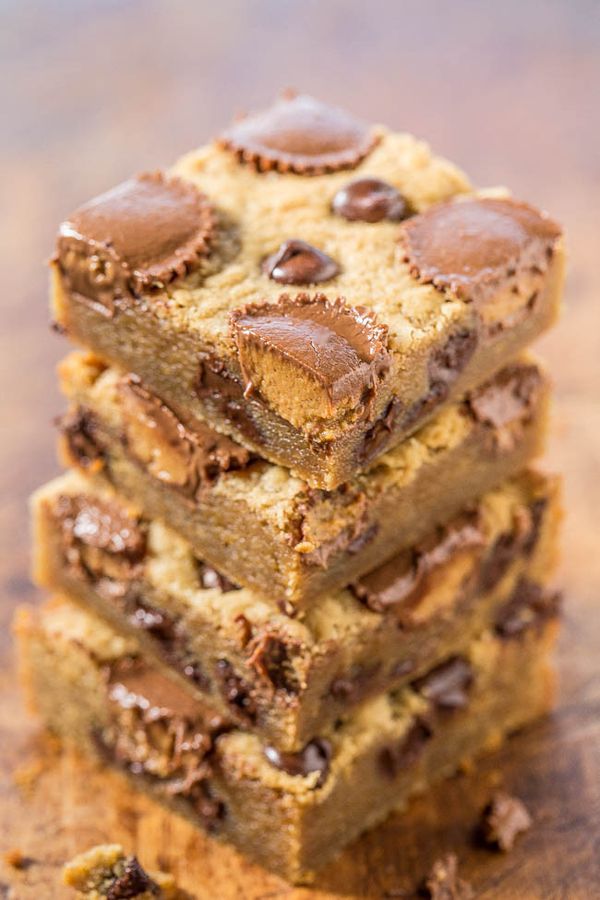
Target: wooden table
{"points": [[95, 91]]}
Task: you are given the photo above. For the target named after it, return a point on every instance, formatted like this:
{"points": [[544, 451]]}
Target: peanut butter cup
{"points": [[333, 353], [297, 262], [469, 246], [138, 237], [302, 135]]}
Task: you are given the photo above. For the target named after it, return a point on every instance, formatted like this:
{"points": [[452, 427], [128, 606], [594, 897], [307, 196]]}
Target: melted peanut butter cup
{"points": [[136, 238], [469, 246], [332, 353], [301, 135]]}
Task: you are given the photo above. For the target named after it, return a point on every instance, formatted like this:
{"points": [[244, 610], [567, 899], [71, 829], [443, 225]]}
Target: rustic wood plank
{"points": [[95, 91]]}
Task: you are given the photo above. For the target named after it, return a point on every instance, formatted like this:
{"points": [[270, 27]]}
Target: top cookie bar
{"points": [[311, 285]]}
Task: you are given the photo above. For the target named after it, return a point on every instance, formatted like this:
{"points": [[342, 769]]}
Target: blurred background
{"points": [[94, 91]]}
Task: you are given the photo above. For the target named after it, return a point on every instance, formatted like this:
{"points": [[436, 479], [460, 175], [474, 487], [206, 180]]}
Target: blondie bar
{"points": [[288, 678], [264, 528], [312, 286], [291, 812]]}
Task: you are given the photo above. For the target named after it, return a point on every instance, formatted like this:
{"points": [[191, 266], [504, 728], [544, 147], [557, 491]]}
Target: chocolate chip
{"points": [[223, 392], [379, 436], [355, 684], [302, 135], [236, 691], [396, 757], [314, 757], [370, 200], [503, 819], [137, 237], [447, 685], [443, 882], [469, 247], [132, 882], [297, 262], [530, 605]]}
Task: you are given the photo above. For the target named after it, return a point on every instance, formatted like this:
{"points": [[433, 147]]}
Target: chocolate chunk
{"points": [[299, 134], [405, 579], [370, 200], [333, 354], [397, 757], [530, 605], [447, 686], [314, 757], [296, 262], [507, 398], [236, 691], [537, 510], [80, 432], [469, 247], [184, 458], [132, 882], [272, 658], [211, 579], [448, 361], [91, 522], [443, 882], [135, 238], [503, 819], [355, 684]]}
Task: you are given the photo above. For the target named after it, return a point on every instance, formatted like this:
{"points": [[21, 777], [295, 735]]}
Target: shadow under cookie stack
{"points": [[300, 561]]}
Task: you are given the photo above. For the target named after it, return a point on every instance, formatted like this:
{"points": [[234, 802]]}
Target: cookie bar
{"points": [[106, 872], [311, 285], [268, 530], [290, 812], [288, 678]]}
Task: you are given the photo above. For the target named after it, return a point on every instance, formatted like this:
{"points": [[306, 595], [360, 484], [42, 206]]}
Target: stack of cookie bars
{"points": [[300, 561]]}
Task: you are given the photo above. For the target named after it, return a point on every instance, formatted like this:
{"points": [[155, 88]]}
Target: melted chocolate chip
{"points": [[102, 525], [80, 432], [379, 436], [297, 262], [299, 134], [211, 579], [503, 819], [469, 246], [132, 882], [135, 238], [447, 686], [272, 659], [397, 757], [529, 606], [220, 390], [355, 684], [329, 346], [236, 691], [370, 200], [315, 757]]}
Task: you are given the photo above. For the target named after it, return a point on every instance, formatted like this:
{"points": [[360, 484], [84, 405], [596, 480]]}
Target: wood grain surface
{"points": [[94, 91]]}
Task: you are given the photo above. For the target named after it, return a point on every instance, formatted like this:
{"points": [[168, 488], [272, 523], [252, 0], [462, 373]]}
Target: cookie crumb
{"points": [[503, 819], [105, 872], [443, 882]]}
